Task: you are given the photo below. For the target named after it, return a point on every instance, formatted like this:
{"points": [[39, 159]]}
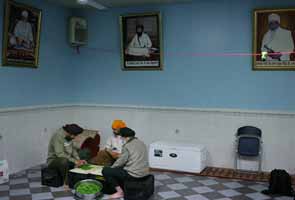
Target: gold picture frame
{"points": [[274, 39], [21, 37], [141, 41]]}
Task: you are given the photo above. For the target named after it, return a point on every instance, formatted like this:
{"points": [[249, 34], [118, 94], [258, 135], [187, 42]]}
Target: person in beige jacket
{"points": [[62, 155], [133, 162]]}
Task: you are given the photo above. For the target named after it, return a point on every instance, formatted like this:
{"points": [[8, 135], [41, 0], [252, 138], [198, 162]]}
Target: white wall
{"points": [[26, 131], [213, 128]]}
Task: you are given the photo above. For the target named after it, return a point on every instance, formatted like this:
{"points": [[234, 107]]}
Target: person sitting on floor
{"points": [[133, 162], [113, 146], [62, 155]]}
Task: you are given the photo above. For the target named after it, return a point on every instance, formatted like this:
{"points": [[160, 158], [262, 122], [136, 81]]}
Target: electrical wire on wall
{"points": [[263, 55]]}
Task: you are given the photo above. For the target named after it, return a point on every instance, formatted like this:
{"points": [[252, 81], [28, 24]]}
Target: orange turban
{"points": [[117, 124]]}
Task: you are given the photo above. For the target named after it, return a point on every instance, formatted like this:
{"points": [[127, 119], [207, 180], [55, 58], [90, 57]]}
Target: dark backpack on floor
{"points": [[279, 183]]}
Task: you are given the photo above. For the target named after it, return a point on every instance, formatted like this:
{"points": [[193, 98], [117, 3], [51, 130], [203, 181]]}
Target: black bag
{"points": [[139, 188], [51, 177], [279, 183]]}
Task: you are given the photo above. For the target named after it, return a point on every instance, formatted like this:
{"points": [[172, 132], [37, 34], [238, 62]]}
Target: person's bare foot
{"points": [[116, 195], [66, 188]]}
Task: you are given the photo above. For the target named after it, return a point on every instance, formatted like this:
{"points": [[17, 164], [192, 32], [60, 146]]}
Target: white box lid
{"points": [[178, 145]]}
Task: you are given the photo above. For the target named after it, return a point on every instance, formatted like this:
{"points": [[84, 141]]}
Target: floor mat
{"points": [[234, 174]]}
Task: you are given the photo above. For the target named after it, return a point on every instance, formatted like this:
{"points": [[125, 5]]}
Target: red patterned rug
{"points": [[233, 174]]}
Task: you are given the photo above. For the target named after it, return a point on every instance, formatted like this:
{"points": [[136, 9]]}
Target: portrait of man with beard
{"points": [[274, 39], [141, 41]]}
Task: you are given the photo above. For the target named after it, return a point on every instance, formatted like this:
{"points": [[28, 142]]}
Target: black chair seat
{"points": [[139, 188], [248, 146]]}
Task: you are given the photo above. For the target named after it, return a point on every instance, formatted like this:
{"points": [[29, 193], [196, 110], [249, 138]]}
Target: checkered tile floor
{"points": [[27, 186]]}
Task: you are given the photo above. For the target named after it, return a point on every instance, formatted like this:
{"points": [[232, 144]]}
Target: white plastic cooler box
{"points": [[177, 156]]}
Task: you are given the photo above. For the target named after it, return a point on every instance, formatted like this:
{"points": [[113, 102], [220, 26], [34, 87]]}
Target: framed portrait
{"points": [[274, 39], [21, 37], [141, 41]]}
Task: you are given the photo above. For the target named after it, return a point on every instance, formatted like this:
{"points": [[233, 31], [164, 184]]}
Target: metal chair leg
{"points": [[236, 161], [260, 163]]}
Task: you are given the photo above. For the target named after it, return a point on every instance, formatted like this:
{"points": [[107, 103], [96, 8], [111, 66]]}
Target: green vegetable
{"points": [[88, 188], [85, 167]]}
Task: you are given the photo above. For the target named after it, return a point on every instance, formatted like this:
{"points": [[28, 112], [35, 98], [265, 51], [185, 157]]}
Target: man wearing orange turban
{"points": [[115, 143], [118, 124], [113, 146]]}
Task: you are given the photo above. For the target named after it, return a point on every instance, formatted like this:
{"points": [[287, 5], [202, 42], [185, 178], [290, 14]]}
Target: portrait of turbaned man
{"points": [[22, 25], [274, 38], [141, 41]]}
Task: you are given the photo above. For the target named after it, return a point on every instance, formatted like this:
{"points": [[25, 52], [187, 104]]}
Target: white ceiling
{"points": [[118, 3]]}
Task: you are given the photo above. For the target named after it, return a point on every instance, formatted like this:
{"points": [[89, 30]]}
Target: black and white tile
{"points": [[26, 185]]}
